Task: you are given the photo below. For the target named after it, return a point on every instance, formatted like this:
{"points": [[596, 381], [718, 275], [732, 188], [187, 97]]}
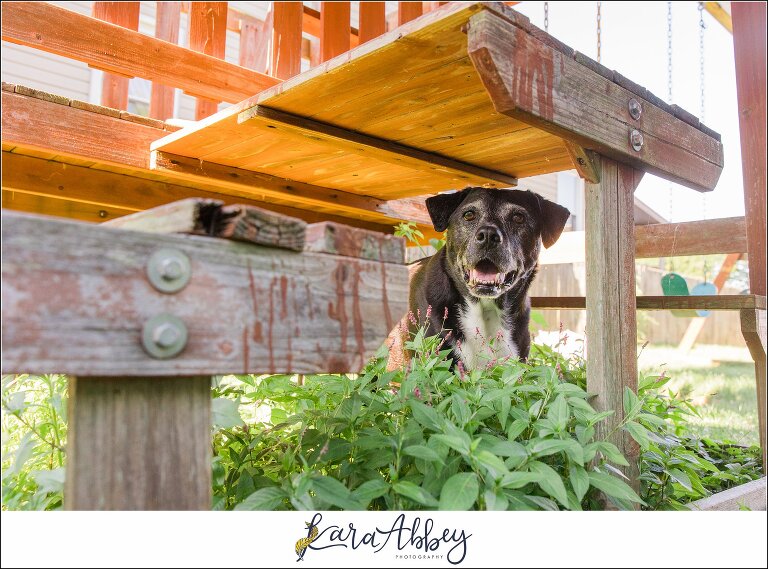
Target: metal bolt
{"points": [[635, 108], [103, 213], [169, 270], [164, 336], [636, 139]]}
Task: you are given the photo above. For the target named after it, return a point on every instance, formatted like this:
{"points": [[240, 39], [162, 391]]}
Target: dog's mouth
{"points": [[485, 278]]}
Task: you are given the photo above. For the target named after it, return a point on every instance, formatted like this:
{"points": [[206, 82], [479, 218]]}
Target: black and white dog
{"points": [[477, 285]]}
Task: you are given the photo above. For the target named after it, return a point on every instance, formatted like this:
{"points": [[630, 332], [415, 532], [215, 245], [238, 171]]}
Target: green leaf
{"points": [[264, 499], [225, 413], [423, 452], [558, 412], [547, 447], [460, 409], [370, 490], [611, 452], [415, 493], [630, 402], [612, 486], [681, 478], [516, 428], [49, 480], [515, 480], [550, 482], [426, 415], [495, 501], [335, 493], [579, 480], [639, 433], [492, 463], [459, 492], [456, 442]]}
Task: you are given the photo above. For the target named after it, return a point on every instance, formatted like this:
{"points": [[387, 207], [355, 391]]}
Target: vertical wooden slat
{"points": [[208, 34], [285, 61], [749, 48], [372, 20], [753, 328], [114, 90], [610, 298], [139, 444], [407, 11], [167, 29], [334, 29]]}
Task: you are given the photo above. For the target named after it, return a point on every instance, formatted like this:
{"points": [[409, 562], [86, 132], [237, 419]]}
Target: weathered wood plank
{"points": [[337, 239], [610, 304], [334, 29], [753, 328], [247, 309], [139, 443], [582, 162], [725, 235], [167, 24], [749, 48], [190, 215], [704, 302], [538, 84], [105, 46], [207, 34], [750, 495], [114, 88]]}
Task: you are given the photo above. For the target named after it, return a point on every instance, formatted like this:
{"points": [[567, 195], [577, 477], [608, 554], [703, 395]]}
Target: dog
{"points": [[474, 290]]}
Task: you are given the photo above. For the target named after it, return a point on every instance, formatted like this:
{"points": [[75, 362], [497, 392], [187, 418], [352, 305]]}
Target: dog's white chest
{"points": [[486, 336]]}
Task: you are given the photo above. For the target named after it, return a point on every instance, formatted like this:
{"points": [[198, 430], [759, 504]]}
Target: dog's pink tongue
{"points": [[479, 275]]}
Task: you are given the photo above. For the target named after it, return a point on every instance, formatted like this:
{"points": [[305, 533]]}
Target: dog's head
{"points": [[494, 236]]}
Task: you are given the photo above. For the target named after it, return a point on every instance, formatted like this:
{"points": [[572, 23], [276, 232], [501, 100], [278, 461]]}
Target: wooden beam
{"points": [[58, 207], [114, 88], [610, 304], [749, 48], [753, 328], [703, 302], [286, 39], [167, 24], [115, 49], [334, 29], [719, 13], [534, 82], [372, 20], [139, 443], [207, 34], [582, 162], [247, 309], [750, 495], [356, 142], [697, 324]]}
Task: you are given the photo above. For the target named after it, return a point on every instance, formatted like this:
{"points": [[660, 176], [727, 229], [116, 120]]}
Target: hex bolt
{"points": [[636, 139], [635, 108], [166, 335], [171, 269]]}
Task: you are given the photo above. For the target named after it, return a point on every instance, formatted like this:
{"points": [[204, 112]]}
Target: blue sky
{"points": [[634, 42]]}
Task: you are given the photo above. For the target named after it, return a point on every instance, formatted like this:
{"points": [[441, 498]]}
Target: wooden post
{"points": [[753, 327], [610, 298], [407, 11], [138, 443], [749, 44], [166, 28], [286, 39], [372, 20], [208, 34], [114, 90], [334, 29]]}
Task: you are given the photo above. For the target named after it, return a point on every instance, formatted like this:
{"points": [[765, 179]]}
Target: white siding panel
{"points": [[32, 68]]}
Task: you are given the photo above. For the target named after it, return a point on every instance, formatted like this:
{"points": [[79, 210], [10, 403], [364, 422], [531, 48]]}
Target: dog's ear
{"points": [[553, 219], [442, 206]]}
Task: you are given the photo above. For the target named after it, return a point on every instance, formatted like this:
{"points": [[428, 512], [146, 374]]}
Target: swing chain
{"points": [[702, 109], [669, 100], [546, 17], [599, 32]]}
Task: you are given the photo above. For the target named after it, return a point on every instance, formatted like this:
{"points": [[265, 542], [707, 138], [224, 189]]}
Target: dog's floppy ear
{"points": [[553, 219], [441, 207]]}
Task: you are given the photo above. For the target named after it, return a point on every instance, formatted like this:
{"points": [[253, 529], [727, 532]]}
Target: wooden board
{"points": [[139, 443], [114, 88], [207, 34], [754, 329], [750, 495], [532, 81], [247, 309], [337, 239], [167, 22], [703, 302]]}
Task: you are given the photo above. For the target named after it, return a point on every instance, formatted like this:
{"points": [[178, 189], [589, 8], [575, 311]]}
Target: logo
{"points": [[416, 539]]}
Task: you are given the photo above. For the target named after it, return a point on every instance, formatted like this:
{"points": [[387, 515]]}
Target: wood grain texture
{"points": [[207, 34], [286, 39], [750, 495], [610, 300], [139, 443], [337, 239], [749, 49], [582, 163], [705, 237], [334, 29], [167, 23], [114, 88], [58, 207], [372, 20], [753, 327], [115, 49], [547, 88], [703, 302], [248, 309], [191, 215], [407, 11]]}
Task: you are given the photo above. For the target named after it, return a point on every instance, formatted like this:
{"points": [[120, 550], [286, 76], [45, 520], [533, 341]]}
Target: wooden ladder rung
{"points": [[708, 302]]}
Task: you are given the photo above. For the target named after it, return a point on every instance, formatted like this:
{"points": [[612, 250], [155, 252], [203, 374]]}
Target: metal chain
{"points": [[702, 109], [546, 17], [669, 80], [599, 32]]}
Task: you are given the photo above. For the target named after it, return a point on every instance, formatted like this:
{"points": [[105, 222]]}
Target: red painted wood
{"points": [[407, 11], [167, 29], [334, 29], [114, 89], [372, 20], [286, 39], [207, 34]]}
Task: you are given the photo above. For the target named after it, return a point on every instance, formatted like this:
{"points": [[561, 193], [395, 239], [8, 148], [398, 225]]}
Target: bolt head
{"points": [[166, 335], [171, 269], [636, 140], [635, 108]]}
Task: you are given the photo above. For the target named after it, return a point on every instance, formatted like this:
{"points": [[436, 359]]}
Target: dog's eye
{"points": [[518, 218], [469, 215]]}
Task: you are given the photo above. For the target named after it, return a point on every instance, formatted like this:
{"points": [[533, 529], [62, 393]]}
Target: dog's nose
{"points": [[489, 236]]}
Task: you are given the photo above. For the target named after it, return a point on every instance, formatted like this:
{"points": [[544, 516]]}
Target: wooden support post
{"points": [[610, 298], [285, 59], [407, 11], [167, 29], [207, 34], [696, 325], [372, 20], [334, 29], [114, 90], [138, 443], [753, 327]]}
